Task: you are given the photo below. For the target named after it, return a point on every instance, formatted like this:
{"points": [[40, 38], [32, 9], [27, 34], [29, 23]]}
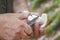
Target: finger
{"points": [[42, 31], [21, 35], [19, 15], [24, 35], [28, 30], [36, 29], [24, 14]]}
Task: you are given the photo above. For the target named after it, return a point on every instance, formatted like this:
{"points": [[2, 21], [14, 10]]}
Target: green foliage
{"points": [[35, 3], [54, 5], [56, 37], [52, 25], [54, 15]]}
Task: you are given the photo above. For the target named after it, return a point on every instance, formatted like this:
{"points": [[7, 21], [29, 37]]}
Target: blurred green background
{"points": [[52, 8]]}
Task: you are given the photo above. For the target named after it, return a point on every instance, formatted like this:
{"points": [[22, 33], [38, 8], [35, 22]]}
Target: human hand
{"points": [[12, 27], [37, 30]]}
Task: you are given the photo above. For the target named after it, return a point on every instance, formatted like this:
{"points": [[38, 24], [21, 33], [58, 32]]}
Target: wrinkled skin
{"points": [[15, 27], [12, 28], [21, 5]]}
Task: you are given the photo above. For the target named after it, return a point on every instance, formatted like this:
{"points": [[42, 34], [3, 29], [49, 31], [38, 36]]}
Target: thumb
{"points": [[21, 16], [24, 14]]}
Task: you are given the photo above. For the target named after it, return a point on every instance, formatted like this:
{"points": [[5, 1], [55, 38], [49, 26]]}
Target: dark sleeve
{"points": [[6, 6]]}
